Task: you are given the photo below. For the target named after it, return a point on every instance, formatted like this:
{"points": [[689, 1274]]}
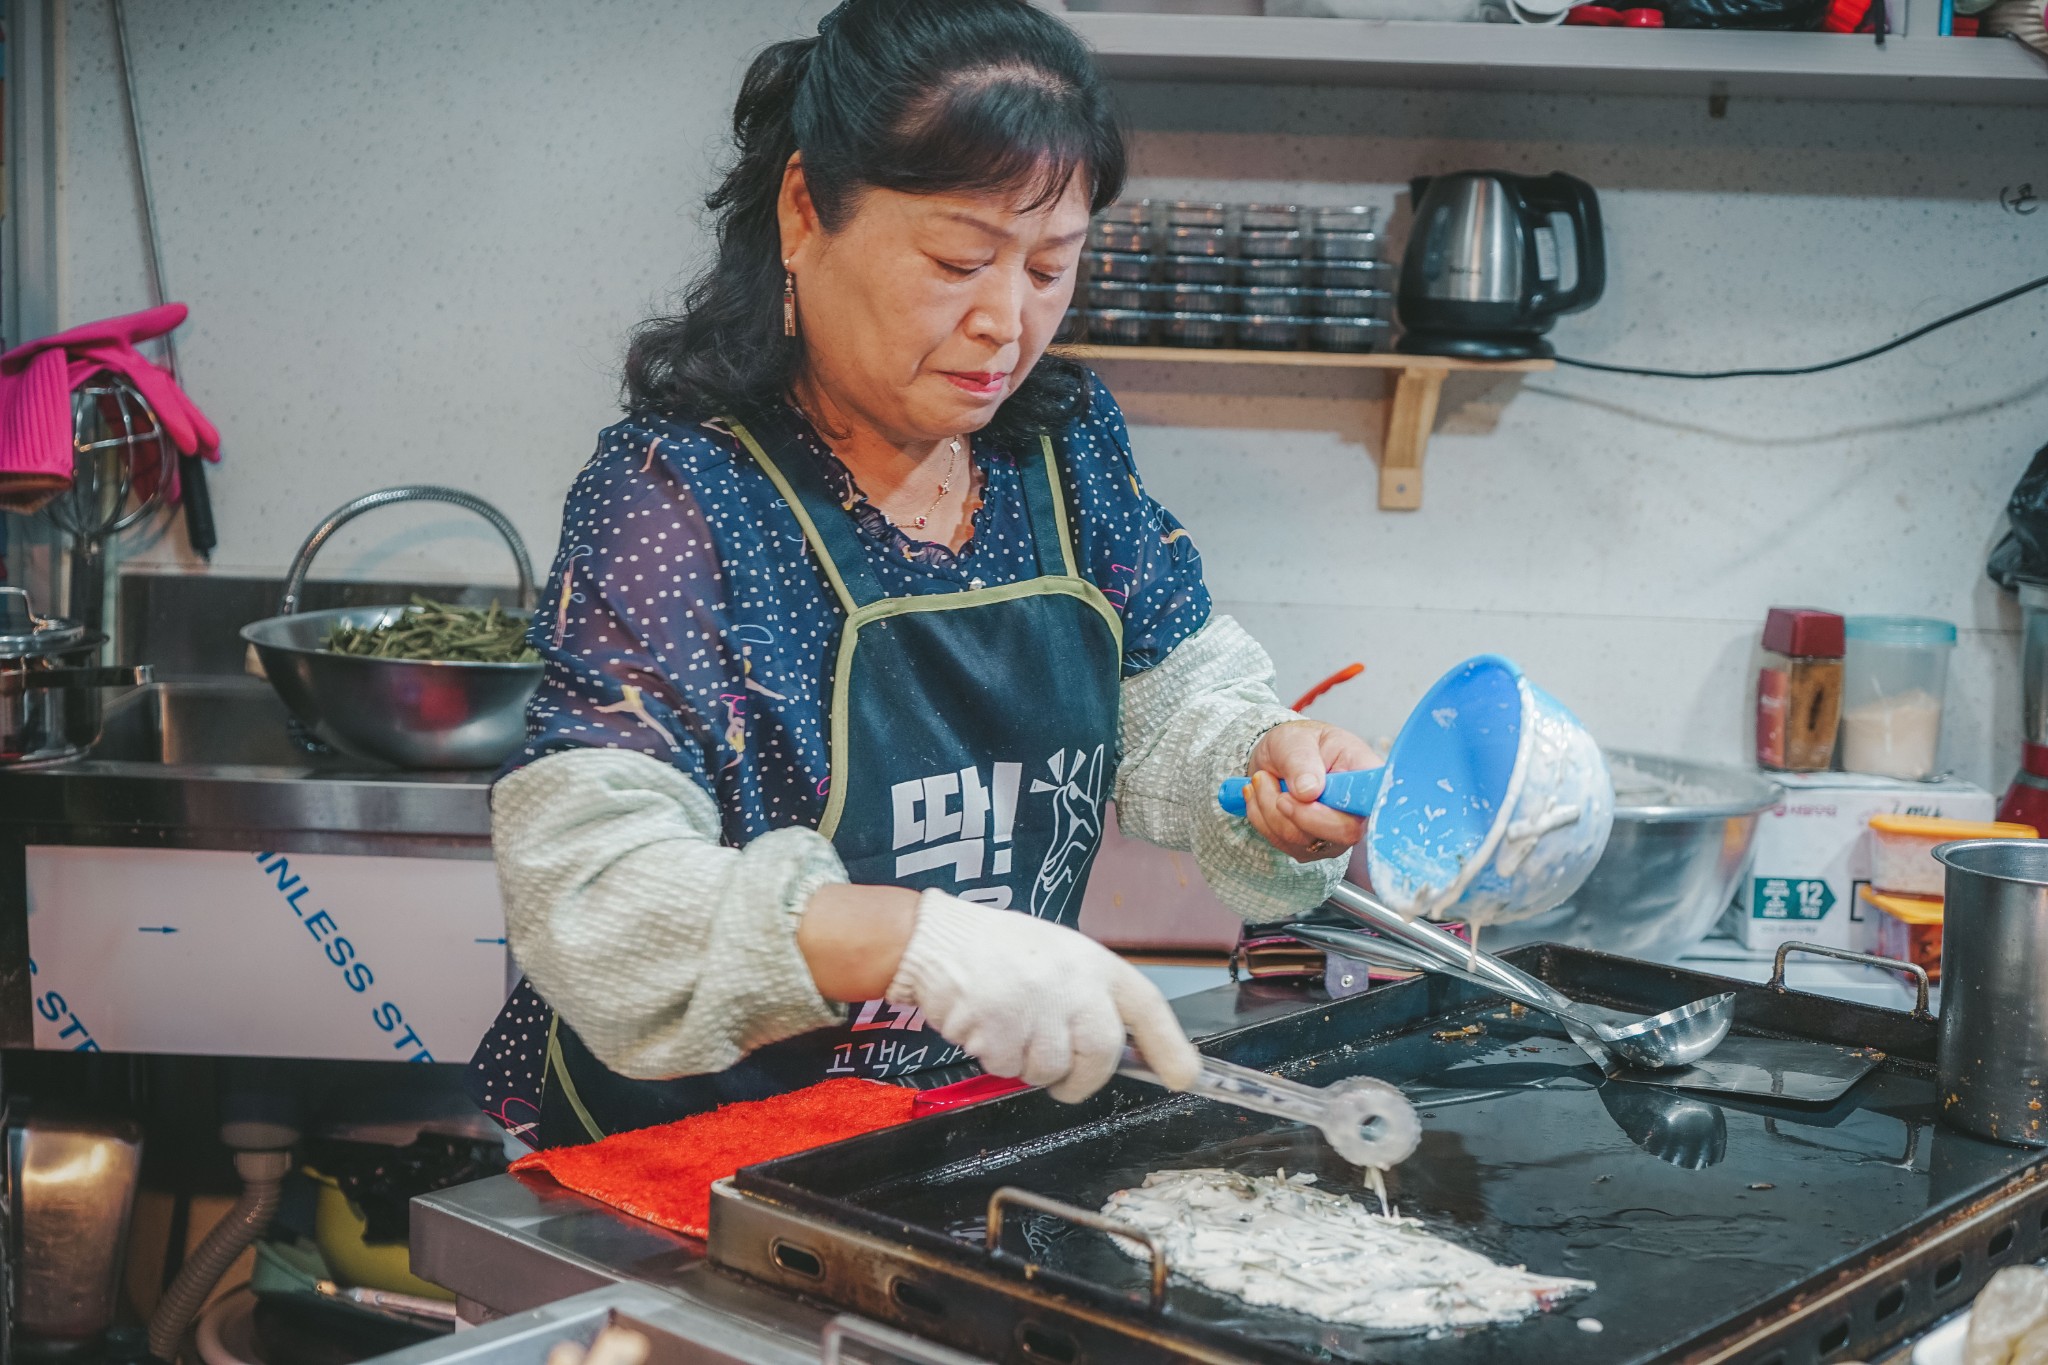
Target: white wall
{"points": [[413, 236]]}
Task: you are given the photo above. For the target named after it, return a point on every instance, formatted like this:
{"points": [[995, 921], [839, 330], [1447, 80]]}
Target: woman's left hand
{"points": [[1300, 753]]}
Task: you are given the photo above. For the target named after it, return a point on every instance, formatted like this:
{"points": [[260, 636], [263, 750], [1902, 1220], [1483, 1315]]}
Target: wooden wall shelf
{"points": [[1418, 383]]}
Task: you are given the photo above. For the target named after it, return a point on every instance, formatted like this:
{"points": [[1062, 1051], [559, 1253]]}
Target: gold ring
{"points": [[1317, 848]]}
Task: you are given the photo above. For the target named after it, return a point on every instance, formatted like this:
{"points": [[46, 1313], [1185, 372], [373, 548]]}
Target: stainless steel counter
{"points": [[685, 1331], [511, 1243], [204, 759], [209, 763]]}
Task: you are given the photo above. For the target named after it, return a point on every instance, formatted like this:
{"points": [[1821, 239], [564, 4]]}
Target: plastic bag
{"points": [[2023, 554], [1757, 14], [1440, 11], [2011, 1305]]}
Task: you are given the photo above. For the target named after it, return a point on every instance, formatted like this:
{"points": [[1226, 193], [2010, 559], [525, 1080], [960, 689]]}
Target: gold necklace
{"points": [[945, 486]]}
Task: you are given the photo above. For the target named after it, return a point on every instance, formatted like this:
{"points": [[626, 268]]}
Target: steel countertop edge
{"points": [[317, 804]]}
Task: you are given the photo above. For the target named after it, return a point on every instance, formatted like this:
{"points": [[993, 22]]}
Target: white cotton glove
{"points": [[1030, 999]]}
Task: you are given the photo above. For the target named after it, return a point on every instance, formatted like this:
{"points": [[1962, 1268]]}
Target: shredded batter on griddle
{"points": [[1278, 1242]]}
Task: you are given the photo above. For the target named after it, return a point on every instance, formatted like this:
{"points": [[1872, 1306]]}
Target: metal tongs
{"points": [[1367, 1122]]}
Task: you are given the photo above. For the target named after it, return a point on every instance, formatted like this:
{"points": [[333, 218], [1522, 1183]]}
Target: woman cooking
{"points": [[859, 617]]}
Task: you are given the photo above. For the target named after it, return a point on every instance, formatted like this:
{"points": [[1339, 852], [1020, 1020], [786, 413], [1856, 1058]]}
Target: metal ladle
{"points": [[1676, 1038]]}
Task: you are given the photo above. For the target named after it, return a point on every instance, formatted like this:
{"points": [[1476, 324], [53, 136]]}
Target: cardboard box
{"points": [[1813, 851]]}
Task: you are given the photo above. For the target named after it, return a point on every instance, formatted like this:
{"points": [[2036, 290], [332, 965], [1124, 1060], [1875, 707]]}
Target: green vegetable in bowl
{"points": [[439, 631]]}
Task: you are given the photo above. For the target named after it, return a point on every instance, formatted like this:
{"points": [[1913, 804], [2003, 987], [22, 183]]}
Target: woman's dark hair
{"points": [[922, 96]]}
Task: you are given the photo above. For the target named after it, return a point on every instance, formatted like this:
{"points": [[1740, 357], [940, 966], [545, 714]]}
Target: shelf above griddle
{"points": [[1411, 415], [1914, 68]]}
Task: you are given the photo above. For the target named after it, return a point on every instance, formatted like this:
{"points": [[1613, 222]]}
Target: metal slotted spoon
{"points": [[1676, 1038]]}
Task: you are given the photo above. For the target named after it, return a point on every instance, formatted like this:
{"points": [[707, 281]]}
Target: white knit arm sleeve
{"points": [[1188, 723], [668, 953]]}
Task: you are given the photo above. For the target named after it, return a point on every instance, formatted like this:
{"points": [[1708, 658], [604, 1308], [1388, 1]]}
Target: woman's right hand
{"points": [[1031, 999]]}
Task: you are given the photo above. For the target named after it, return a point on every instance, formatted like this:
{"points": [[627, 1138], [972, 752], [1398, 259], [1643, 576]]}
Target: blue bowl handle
{"points": [[1230, 796], [1352, 792]]}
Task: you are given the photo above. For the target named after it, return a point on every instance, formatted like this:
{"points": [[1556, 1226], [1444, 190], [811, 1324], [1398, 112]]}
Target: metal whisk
{"points": [[117, 442]]}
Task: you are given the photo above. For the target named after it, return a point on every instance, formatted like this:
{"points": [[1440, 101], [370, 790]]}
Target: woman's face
{"points": [[922, 313]]}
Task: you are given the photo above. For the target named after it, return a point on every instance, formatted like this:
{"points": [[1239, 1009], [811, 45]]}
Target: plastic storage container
{"points": [[1199, 329], [1290, 274], [1196, 213], [1909, 929], [1269, 216], [1201, 298], [1351, 334], [1271, 299], [1902, 849], [1125, 267], [1356, 274], [1119, 326], [1124, 238], [1269, 244], [1115, 294], [1893, 681], [1189, 239], [1348, 246], [1352, 303], [1195, 269], [1344, 218], [1272, 331]]}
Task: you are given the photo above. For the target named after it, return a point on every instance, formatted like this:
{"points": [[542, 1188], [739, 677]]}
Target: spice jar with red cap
{"points": [[1799, 689]]}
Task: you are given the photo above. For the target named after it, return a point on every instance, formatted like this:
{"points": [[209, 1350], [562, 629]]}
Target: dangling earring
{"points": [[788, 300]]}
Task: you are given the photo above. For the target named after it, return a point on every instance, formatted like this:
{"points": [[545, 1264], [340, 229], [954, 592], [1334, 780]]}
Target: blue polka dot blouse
{"points": [[685, 618]]}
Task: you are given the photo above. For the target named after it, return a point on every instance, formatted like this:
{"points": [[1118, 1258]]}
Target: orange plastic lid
{"points": [[1910, 909], [1934, 827]]}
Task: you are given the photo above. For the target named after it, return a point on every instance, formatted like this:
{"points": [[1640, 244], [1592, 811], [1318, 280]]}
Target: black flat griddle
{"points": [[1714, 1228]]}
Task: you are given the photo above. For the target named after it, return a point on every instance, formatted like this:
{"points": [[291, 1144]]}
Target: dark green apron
{"points": [[973, 742]]}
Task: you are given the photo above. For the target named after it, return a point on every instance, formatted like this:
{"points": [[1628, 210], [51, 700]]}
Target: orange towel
{"points": [[664, 1174]]}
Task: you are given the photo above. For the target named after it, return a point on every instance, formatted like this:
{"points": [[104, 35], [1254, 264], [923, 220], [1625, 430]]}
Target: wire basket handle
{"points": [[302, 562], [113, 430]]}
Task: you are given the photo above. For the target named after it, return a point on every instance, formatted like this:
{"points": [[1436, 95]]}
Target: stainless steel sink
{"points": [[215, 722], [208, 762]]}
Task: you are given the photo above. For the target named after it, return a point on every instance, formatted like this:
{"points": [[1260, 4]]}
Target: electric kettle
{"points": [[1485, 274]]}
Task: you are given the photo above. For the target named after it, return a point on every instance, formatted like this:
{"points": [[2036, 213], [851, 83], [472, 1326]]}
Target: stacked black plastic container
{"points": [[1276, 277]]}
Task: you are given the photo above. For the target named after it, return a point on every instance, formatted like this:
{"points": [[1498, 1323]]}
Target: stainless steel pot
{"points": [[1994, 989], [50, 682]]}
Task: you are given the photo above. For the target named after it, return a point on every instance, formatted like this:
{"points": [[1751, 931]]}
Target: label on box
{"points": [[1790, 898]]}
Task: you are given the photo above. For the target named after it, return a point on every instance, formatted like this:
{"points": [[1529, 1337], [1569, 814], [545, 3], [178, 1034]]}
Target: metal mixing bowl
{"points": [[1682, 835], [413, 713]]}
